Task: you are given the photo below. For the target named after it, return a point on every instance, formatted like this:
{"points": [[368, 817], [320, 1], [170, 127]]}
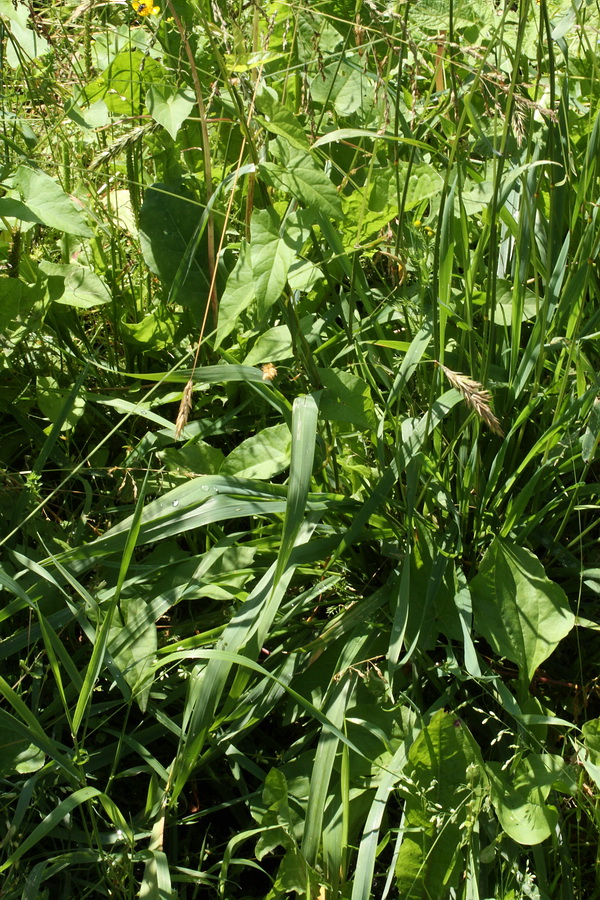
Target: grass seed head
{"points": [[475, 396], [185, 408]]}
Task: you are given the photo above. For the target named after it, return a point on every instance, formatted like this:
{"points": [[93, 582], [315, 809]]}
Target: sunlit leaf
{"points": [[446, 781], [47, 202], [519, 798], [263, 455], [170, 108], [272, 256], [520, 612]]}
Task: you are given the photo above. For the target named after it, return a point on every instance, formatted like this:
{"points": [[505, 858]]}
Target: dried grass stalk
{"points": [[476, 397]]}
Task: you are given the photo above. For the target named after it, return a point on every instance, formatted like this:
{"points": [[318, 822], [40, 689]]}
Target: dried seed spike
{"points": [[476, 396], [269, 372], [185, 408]]}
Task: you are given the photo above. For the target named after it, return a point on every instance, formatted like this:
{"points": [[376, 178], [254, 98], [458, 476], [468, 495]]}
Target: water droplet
{"points": [[204, 487], [175, 503]]}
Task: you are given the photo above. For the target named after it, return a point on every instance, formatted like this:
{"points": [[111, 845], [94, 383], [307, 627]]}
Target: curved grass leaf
{"points": [[252, 622], [367, 851], [50, 822], [304, 429], [104, 628]]}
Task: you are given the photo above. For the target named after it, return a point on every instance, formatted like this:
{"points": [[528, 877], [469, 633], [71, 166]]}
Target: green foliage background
{"points": [[299, 357]]}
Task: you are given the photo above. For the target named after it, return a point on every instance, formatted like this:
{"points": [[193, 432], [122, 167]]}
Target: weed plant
{"points": [[300, 425]]}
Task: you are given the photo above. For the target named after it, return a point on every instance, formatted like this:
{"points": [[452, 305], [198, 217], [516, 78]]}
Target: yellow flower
{"points": [[145, 8]]}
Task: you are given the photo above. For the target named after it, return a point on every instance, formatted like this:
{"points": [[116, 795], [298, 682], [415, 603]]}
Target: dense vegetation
{"points": [[299, 316]]}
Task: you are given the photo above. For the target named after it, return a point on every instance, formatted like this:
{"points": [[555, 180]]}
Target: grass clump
{"points": [[292, 607]]}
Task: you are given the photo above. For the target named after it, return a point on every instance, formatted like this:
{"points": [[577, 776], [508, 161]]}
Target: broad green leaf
{"points": [[51, 400], [277, 818], [27, 728], [123, 85], [132, 643], [347, 399], [343, 86], [108, 43], [519, 797], [46, 200], [155, 331], [424, 182], [18, 755], [518, 610], [298, 222], [303, 179], [170, 108], [329, 37], [476, 197], [295, 874], [355, 91], [503, 310], [446, 779], [431, 578], [272, 346], [76, 285], [261, 456], [277, 119], [272, 256], [67, 412], [304, 275], [368, 210], [197, 458], [91, 117], [168, 221], [590, 752], [11, 208], [27, 43], [237, 296], [14, 301]]}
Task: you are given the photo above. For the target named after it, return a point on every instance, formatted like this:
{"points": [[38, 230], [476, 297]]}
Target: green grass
{"points": [[299, 507]]}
